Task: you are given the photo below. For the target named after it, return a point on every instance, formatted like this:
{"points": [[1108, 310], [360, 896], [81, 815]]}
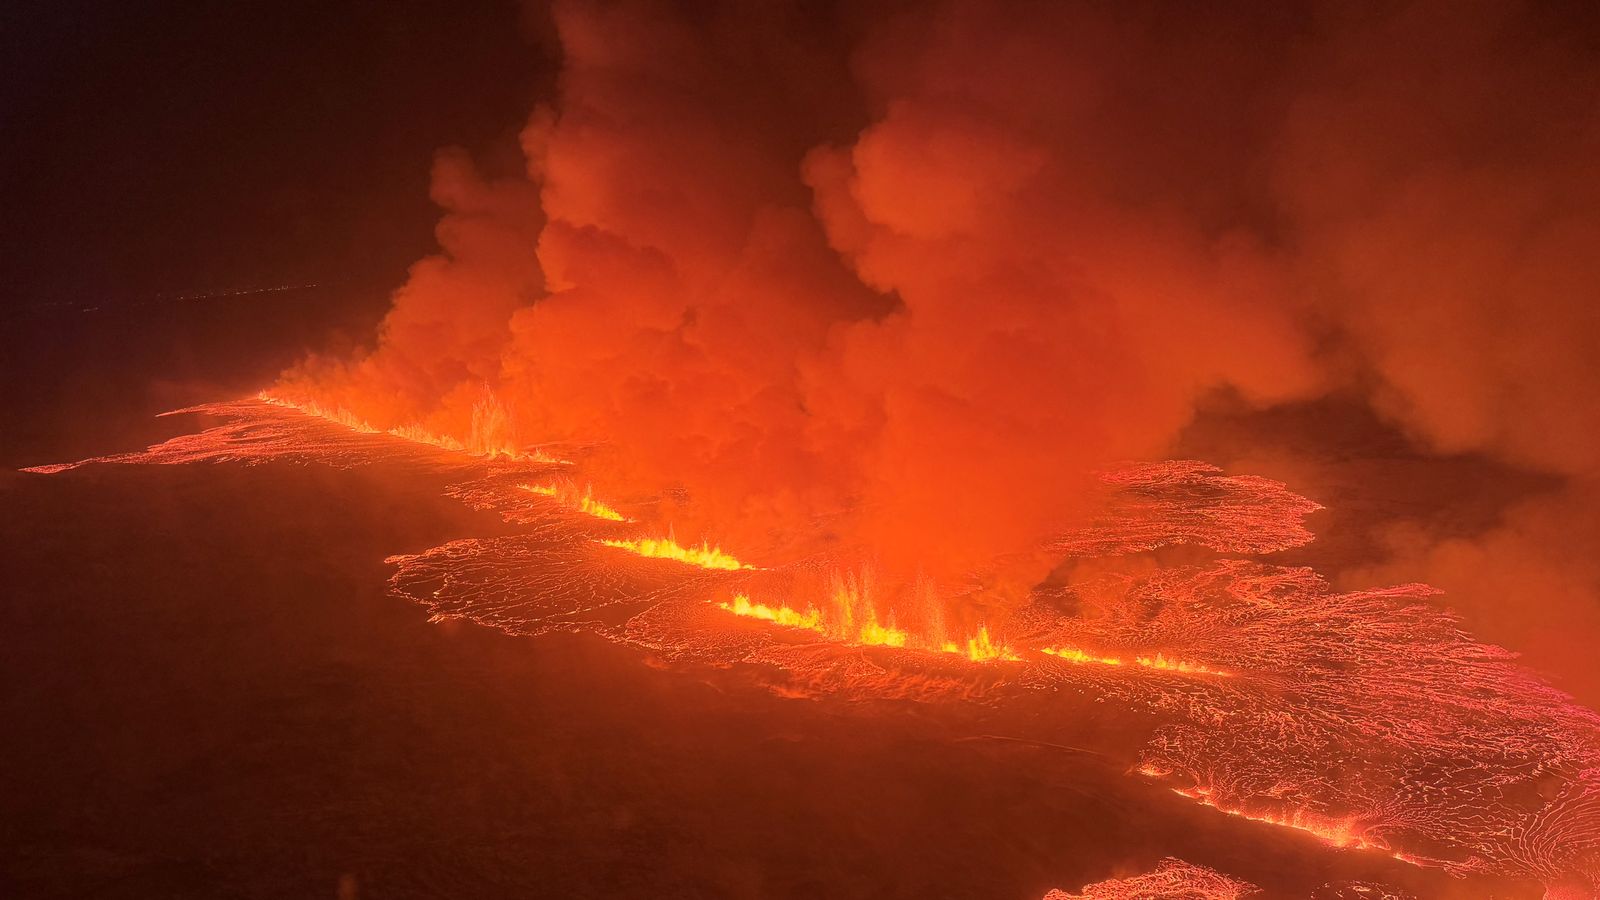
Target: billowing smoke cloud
{"points": [[888, 282], [1442, 170]]}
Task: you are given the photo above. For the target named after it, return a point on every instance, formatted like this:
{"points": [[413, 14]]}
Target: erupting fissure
{"points": [[840, 627], [569, 496], [1159, 661], [1343, 833], [811, 619], [486, 438], [705, 556], [1366, 719]]}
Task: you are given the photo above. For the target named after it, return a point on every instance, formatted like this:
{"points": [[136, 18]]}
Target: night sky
{"points": [[172, 148]]}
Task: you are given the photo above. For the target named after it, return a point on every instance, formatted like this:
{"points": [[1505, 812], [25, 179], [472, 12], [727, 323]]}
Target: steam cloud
{"points": [[887, 283]]}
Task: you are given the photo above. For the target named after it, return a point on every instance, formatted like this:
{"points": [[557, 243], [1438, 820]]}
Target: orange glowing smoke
{"points": [[887, 293]]}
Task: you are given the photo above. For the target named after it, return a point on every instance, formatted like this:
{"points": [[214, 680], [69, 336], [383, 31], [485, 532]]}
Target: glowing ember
{"points": [[568, 495], [704, 556]]}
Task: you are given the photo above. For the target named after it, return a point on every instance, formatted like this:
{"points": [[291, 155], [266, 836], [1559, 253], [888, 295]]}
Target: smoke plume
{"points": [[885, 283]]}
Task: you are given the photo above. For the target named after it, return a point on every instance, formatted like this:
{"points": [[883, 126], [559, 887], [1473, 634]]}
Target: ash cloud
{"points": [[886, 281]]}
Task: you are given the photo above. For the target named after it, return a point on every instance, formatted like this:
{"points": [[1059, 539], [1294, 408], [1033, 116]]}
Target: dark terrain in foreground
{"points": [[208, 692]]}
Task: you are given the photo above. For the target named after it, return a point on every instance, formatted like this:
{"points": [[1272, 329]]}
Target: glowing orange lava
{"points": [[1074, 655], [1372, 704], [1342, 833], [569, 496], [1173, 879], [981, 648], [811, 619], [486, 438], [883, 635], [1160, 662], [842, 625], [705, 556]]}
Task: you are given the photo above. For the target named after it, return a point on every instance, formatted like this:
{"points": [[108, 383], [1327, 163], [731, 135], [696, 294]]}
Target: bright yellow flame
{"points": [[705, 556], [1074, 655], [336, 414], [881, 635], [811, 619], [981, 648], [416, 434], [1159, 662], [569, 496], [849, 606]]}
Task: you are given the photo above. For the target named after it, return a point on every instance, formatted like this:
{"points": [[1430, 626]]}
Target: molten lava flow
{"points": [[1162, 663], [1173, 879], [1158, 662], [705, 556], [1191, 502], [851, 619], [1374, 705], [874, 634], [811, 619], [486, 438], [1074, 655], [569, 496], [1342, 833], [981, 648]]}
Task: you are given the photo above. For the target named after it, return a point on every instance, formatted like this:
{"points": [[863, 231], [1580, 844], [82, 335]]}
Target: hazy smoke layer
{"points": [[888, 280]]}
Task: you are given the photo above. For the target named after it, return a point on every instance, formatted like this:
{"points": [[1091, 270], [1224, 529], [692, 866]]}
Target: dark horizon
{"points": [[167, 149]]}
